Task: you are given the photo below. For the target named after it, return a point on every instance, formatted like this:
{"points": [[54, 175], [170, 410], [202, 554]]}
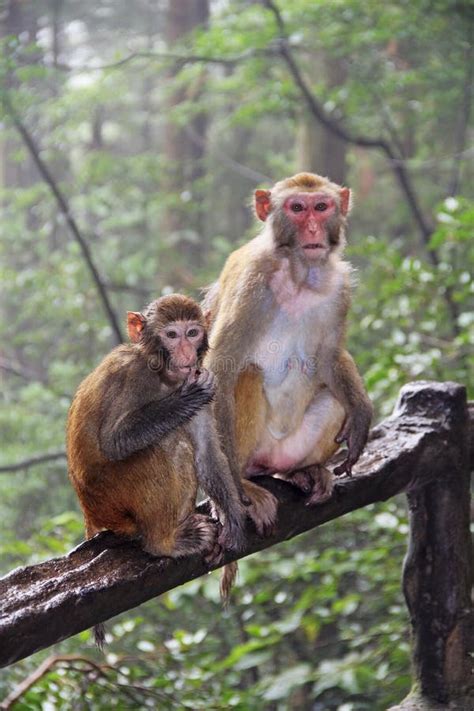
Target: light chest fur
{"points": [[305, 320], [305, 327]]}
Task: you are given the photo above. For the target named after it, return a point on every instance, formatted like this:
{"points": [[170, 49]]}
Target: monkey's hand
{"points": [[355, 433], [196, 392], [198, 388]]}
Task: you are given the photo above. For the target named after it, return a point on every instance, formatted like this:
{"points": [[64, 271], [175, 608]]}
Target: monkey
{"points": [[288, 392], [141, 436]]}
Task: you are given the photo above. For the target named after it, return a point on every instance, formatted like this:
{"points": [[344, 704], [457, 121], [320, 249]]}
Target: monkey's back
{"points": [[147, 494]]}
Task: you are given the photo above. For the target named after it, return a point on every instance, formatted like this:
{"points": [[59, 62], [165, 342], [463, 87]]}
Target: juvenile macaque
{"points": [[288, 393], [141, 436]]}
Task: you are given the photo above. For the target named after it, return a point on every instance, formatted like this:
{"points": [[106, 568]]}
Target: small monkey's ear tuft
{"points": [[262, 204], [346, 200], [135, 325]]}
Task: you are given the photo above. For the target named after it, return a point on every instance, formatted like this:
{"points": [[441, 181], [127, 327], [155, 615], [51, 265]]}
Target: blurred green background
{"points": [[157, 119]]}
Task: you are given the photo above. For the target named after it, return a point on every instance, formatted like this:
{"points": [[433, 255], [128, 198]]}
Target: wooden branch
{"points": [[65, 210], [43, 604]]}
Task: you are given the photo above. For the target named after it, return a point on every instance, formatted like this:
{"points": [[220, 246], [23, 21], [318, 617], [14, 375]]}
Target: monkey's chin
{"points": [[315, 253]]}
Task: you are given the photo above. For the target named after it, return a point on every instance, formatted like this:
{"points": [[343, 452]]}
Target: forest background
{"points": [[155, 121]]}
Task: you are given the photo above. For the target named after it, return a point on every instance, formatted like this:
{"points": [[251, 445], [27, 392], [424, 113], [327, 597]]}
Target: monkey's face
{"points": [[183, 343], [315, 220]]}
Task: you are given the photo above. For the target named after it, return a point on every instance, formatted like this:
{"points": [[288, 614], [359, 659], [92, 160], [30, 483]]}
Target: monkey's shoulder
{"points": [[124, 373], [253, 255]]}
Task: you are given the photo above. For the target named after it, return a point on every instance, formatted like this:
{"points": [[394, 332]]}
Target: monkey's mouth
{"points": [[182, 370], [314, 246]]}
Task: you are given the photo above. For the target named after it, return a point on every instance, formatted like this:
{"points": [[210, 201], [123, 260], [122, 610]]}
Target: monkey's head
{"points": [[172, 330], [307, 214]]}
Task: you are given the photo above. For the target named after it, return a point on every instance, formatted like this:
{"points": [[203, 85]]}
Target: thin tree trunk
{"points": [[185, 148], [318, 149]]}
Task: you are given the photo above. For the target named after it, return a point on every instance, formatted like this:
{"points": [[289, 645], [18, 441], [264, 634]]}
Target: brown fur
{"points": [[127, 497], [150, 493]]}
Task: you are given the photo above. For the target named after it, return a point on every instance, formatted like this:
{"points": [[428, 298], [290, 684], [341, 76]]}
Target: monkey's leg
{"points": [[197, 534], [250, 413], [312, 443], [214, 475]]}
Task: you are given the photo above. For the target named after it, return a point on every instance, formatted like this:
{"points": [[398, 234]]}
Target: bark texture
{"points": [[437, 574]]}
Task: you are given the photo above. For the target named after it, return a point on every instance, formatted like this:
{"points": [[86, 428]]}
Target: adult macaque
{"points": [[288, 393], [141, 436]]}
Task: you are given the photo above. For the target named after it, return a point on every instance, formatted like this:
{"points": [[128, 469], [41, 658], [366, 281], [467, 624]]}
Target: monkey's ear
{"points": [[135, 325], [262, 204], [346, 202]]}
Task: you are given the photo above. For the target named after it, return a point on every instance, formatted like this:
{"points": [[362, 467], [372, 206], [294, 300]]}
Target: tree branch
{"points": [[44, 669], [144, 292], [397, 166], [22, 371], [39, 459], [64, 208], [43, 604], [464, 113], [179, 59]]}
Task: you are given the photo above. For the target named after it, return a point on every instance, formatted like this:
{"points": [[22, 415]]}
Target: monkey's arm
{"points": [[215, 478], [242, 309], [345, 383], [132, 431]]}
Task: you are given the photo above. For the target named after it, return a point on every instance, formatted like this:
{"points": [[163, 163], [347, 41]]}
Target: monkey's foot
{"points": [[232, 535], [323, 485], [263, 508], [315, 481], [231, 529], [215, 556], [302, 480], [196, 534]]}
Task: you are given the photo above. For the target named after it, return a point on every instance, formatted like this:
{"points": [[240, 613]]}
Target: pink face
{"points": [[182, 340], [310, 213]]}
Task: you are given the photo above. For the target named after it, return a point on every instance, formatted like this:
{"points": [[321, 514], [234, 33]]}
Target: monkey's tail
{"points": [[228, 576], [99, 635]]}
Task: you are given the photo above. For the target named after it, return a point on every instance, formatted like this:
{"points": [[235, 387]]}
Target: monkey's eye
{"points": [[193, 332], [321, 206], [297, 207], [171, 334]]}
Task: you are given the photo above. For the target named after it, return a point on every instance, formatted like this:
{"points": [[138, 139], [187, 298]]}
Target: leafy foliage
{"points": [[157, 158]]}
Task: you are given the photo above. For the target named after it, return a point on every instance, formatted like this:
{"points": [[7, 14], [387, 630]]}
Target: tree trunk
{"points": [[319, 150], [185, 147], [437, 575], [19, 18]]}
